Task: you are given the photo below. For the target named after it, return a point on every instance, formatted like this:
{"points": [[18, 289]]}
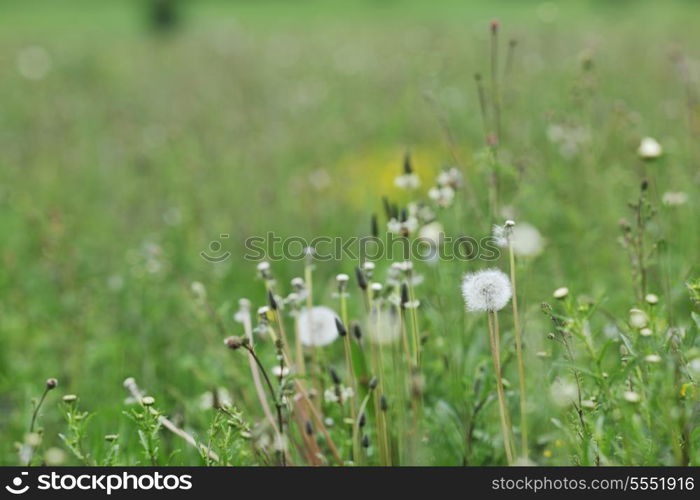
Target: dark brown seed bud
{"points": [[334, 376], [365, 441], [373, 382], [235, 342], [387, 207], [404, 295], [407, 167], [272, 302], [645, 185], [357, 330], [383, 403], [342, 331], [361, 280], [362, 420], [374, 226], [309, 428], [51, 383]]}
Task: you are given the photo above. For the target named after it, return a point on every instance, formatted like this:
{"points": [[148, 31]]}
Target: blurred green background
{"points": [[125, 150]]}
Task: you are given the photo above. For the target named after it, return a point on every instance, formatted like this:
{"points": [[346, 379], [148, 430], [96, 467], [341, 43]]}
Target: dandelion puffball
{"points": [[526, 239], [638, 318], [317, 326], [563, 392], [487, 290], [385, 326], [649, 148], [632, 397]]}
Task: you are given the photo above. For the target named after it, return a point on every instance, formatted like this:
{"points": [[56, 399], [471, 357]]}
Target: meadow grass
{"points": [[132, 152]]}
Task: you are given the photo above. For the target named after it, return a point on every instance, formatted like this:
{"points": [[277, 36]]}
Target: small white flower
{"points": [[263, 266], [652, 358], [451, 177], [280, 372], [407, 181], [329, 396], [442, 195], [674, 199], [376, 287], [317, 326], [645, 332], [198, 290], [652, 299], [649, 148], [560, 293], [487, 290], [638, 318], [632, 397]]}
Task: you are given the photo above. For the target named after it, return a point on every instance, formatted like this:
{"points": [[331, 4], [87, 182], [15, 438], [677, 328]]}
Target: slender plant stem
{"points": [[38, 407], [519, 351], [278, 406], [499, 387], [351, 374]]}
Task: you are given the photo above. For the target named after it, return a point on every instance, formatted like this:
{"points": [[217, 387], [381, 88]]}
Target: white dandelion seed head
{"points": [[393, 226], [384, 325], [649, 148], [632, 397], [487, 290], [563, 392], [279, 371], [432, 233], [198, 290], [674, 198], [34, 62], [450, 177], [499, 235], [638, 318], [527, 240], [652, 299], [442, 195], [317, 326]]}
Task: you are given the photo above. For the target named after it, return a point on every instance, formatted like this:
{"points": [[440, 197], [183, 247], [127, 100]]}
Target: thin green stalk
{"points": [[493, 336], [519, 351]]}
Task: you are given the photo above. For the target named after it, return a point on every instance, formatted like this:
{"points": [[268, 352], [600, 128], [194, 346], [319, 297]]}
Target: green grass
{"points": [[221, 127]]}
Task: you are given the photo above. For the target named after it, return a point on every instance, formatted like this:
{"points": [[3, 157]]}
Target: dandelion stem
{"points": [[519, 351], [37, 408], [493, 336], [278, 406]]}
